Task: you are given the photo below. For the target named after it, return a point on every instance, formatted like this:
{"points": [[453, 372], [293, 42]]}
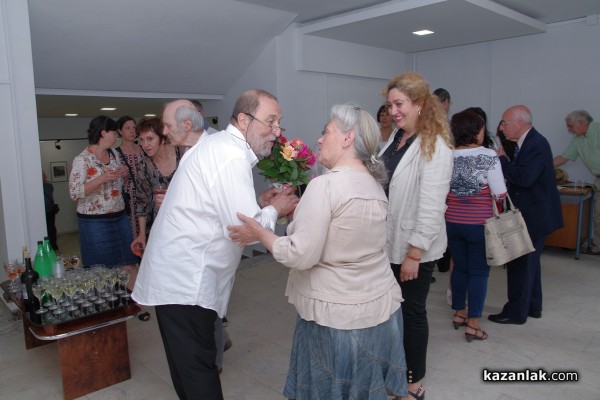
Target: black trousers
{"points": [[414, 313], [524, 284], [188, 334], [51, 227]]}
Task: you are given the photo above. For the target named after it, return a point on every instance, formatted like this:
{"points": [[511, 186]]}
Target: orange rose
{"points": [[115, 193], [288, 152], [92, 171]]}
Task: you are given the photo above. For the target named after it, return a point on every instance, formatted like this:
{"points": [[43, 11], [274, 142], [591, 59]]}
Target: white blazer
{"points": [[417, 202]]}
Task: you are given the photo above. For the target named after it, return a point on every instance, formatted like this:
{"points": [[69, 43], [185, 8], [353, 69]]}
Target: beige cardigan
{"points": [[340, 275], [417, 203]]}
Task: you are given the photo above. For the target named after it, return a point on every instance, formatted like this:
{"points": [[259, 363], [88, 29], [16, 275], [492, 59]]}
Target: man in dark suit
{"points": [[532, 188]]}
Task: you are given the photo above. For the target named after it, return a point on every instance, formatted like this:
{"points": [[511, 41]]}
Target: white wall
{"points": [[552, 73], [21, 193]]}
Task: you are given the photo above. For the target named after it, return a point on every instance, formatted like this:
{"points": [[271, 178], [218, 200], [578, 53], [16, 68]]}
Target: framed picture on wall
{"points": [[58, 171]]}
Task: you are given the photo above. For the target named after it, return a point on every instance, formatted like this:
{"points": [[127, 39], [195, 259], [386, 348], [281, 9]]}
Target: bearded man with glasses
{"points": [[189, 265]]}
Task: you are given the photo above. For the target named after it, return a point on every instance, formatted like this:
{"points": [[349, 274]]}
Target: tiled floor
{"points": [[262, 323]]}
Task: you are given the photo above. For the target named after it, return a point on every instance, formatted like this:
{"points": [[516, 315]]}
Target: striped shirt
{"points": [[476, 179]]}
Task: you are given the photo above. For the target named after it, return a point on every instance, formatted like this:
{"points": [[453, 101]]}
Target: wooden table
{"points": [[93, 350], [578, 217]]}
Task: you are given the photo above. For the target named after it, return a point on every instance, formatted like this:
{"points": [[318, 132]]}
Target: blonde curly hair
{"points": [[432, 120]]}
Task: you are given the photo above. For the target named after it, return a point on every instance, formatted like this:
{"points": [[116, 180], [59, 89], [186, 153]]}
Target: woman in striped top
{"points": [[476, 180]]}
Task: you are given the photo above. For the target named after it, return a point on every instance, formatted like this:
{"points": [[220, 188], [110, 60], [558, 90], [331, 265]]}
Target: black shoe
{"points": [[433, 279], [503, 319], [227, 345], [535, 314]]}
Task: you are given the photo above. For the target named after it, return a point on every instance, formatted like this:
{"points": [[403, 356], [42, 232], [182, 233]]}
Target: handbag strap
{"points": [[495, 206]]}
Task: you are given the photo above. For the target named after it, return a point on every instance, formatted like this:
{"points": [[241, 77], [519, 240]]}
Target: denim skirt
{"points": [[105, 239], [354, 364]]}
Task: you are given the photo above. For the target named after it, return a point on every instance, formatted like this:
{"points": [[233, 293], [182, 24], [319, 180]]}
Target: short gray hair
{"points": [[349, 117], [579, 116], [188, 111]]}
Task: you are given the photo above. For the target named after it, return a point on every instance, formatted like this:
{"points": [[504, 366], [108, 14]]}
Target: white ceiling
{"points": [[90, 53]]}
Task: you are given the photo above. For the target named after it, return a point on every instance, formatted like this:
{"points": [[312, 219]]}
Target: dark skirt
{"points": [[355, 364], [105, 239]]}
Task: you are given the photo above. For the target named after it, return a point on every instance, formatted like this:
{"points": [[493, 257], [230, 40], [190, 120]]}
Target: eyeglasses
{"points": [[504, 123], [274, 128]]}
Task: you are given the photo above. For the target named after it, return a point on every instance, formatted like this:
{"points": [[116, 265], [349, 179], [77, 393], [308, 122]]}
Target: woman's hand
{"points": [[110, 176], [247, 233], [409, 270], [138, 245], [123, 172]]}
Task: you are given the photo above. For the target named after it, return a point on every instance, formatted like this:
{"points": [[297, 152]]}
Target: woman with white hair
{"points": [[348, 338]]}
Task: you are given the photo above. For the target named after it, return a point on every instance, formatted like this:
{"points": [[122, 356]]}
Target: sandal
{"points": [[476, 336], [144, 316], [457, 324], [419, 394]]}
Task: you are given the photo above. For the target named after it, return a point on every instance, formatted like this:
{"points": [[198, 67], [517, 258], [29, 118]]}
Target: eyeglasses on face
{"points": [[274, 128]]}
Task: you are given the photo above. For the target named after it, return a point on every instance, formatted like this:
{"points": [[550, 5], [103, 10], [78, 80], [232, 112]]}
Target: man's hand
{"points": [[264, 199], [285, 202], [500, 151]]}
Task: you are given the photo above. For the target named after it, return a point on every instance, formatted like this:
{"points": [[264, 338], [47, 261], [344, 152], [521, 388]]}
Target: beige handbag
{"points": [[506, 235]]}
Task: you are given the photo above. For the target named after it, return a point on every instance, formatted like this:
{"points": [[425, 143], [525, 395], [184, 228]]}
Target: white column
{"points": [[22, 215]]}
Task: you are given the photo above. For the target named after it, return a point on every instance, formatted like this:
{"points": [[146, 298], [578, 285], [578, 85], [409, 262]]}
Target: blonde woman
{"points": [[419, 163]]}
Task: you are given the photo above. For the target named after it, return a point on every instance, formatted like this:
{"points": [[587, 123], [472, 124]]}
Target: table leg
{"points": [[94, 360], [30, 340], [591, 223], [579, 219]]}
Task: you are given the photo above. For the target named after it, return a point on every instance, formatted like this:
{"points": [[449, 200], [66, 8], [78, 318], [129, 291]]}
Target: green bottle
{"points": [[50, 252], [40, 263]]}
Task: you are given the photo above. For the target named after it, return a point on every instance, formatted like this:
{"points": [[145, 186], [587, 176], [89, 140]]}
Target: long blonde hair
{"points": [[432, 120]]}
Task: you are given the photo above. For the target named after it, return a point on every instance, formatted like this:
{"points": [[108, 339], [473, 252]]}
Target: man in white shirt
{"points": [[189, 265]]}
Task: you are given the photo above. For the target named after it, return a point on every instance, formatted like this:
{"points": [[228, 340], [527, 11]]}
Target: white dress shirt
{"points": [[189, 259]]}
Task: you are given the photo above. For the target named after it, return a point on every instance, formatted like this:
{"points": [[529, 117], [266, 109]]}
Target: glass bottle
{"points": [[28, 278], [42, 264], [49, 251]]}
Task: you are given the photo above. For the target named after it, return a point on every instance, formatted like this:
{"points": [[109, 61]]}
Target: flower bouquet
{"points": [[289, 162]]}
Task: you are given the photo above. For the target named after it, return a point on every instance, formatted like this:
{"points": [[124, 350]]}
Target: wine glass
{"points": [[56, 290], [74, 260], [112, 277], [123, 275], [70, 289], [38, 291], [12, 272]]}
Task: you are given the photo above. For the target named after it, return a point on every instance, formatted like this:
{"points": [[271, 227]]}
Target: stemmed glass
{"points": [[112, 277], [70, 289], [74, 261], [12, 272], [56, 290], [38, 291], [123, 275]]}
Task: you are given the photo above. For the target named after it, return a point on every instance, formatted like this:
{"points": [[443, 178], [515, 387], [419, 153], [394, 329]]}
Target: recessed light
{"points": [[108, 108], [71, 115], [149, 115], [423, 32]]}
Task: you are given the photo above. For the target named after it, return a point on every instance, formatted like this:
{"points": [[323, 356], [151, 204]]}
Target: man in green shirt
{"points": [[585, 144]]}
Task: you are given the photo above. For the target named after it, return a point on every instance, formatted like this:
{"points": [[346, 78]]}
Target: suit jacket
{"points": [[532, 185], [417, 202]]}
